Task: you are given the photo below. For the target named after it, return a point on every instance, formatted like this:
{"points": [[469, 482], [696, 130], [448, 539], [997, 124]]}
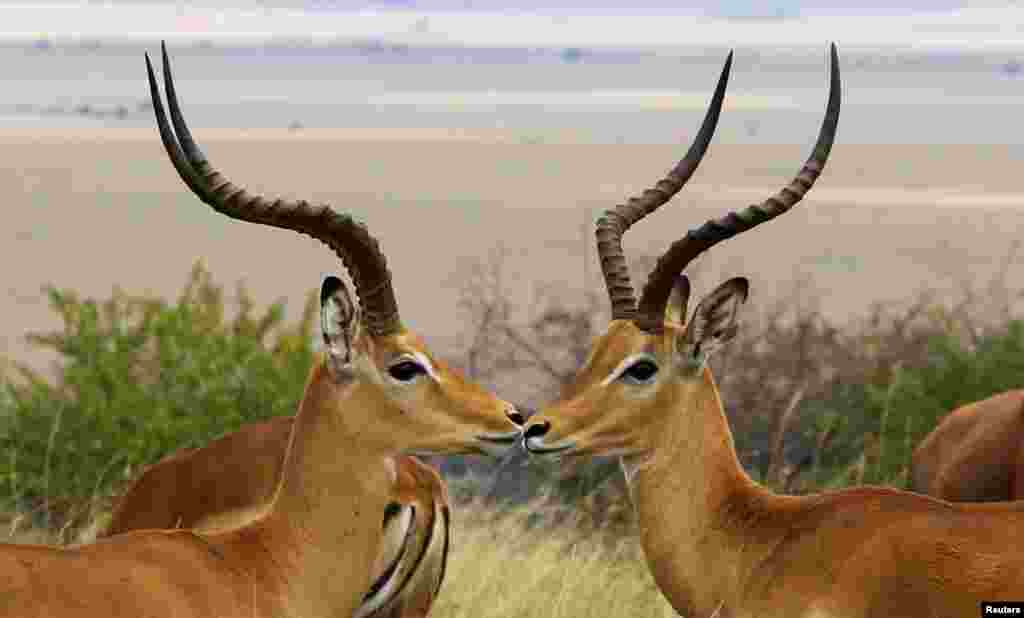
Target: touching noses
{"points": [[536, 430], [519, 415]]}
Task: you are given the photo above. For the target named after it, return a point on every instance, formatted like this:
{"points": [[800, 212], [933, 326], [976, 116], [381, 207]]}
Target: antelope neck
{"points": [[328, 505], [700, 514]]}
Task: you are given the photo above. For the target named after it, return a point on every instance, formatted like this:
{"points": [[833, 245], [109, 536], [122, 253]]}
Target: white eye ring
{"points": [[629, 362]]}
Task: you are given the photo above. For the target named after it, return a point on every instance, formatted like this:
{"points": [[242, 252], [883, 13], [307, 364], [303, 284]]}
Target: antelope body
{"points": [[230, 482], [717, 543], [375, 393], [975, 454]]}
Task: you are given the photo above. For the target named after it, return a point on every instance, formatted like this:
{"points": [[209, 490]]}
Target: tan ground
{"points": [[89, 209]]}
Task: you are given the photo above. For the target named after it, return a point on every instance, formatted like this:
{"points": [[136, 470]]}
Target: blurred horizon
{"points": [[721, 7], [597, 70], [652, 24]]}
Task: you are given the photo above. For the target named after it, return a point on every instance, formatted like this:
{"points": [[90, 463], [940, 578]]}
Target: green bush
{"points": [[836, 423], [909, 405], [139, 378]]}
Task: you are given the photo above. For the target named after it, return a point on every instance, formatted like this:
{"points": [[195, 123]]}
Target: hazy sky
{"points": [[717, 7], [921, 24]]}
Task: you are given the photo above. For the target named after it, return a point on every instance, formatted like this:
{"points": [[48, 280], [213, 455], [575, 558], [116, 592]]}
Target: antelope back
{"points": [[975, 454]]}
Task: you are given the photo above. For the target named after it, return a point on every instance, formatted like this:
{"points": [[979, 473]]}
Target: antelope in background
{"points": [[376, 392], [975, 454], [717, 542], [231, 481]]}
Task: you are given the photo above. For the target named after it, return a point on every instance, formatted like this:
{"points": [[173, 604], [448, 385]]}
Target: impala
{"points": [[718, 543], [230, 481], [976, 454], [376, 392]]}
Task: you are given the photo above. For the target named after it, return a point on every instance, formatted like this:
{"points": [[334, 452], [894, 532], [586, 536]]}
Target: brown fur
{"points": [[311, 554], [229, 481], [976, 453], [231, 473], [715, 540]]}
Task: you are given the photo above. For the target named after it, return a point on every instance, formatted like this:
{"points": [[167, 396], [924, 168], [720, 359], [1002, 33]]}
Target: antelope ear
{"points": [[339, 323], [714, 322], [675, 309]]}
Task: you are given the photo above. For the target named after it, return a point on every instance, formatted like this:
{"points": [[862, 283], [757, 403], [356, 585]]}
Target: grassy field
{"points": [[501, 565]]}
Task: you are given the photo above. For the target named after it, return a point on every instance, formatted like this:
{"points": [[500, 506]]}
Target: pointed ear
{"points": [[714, 322], [339, 322], [675, 309]]}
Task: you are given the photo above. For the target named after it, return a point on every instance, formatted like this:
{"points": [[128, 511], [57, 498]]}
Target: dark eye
{"points": [[406, 371], [641, 371]]}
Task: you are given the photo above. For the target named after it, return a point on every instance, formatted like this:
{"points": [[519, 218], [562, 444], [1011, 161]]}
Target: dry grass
{"points": [[501, 565]]}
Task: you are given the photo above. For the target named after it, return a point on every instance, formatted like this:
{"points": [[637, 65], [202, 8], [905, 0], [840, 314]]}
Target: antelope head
{"points": [[380, 380], [651, 362]]}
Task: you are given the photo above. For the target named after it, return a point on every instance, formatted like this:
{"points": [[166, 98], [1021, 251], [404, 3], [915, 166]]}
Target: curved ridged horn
{"points": [[614, 223], [650, 315], [349, 239]]}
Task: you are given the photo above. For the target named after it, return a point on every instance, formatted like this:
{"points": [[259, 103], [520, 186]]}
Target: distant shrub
{"points": [[139, 378], [813, 404], [910, 404]]}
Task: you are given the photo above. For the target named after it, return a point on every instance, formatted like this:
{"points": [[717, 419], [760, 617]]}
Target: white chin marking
{"points": [[535, 444]]}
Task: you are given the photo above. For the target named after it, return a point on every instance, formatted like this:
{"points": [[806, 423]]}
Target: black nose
{"points": [[518, 418], [520, 414], [537, 430]]}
